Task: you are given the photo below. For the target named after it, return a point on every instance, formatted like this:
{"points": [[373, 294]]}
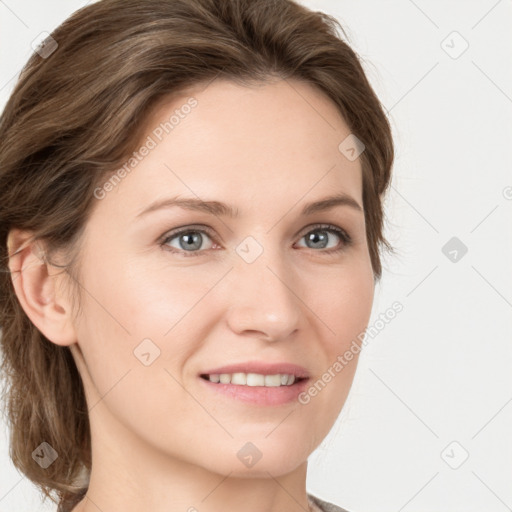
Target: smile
{"points": [[252, 379]]}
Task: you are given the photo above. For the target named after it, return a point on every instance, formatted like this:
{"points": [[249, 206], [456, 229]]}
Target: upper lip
{"points": [[261, 368]]}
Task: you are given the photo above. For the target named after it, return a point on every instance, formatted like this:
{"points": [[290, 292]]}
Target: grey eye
{"points": [[191, 240]]}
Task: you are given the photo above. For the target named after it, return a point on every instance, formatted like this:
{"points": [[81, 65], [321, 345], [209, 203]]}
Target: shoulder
{"points": [[325, 506]]}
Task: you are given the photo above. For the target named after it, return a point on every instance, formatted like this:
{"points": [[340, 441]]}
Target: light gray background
{"points": [[441, 370]]}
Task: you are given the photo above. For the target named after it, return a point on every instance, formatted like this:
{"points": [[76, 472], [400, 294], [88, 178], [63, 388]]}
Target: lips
{"points": [[253, 391], [261, 368]]}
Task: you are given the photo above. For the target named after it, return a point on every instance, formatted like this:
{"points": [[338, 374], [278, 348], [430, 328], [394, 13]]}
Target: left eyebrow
{"points": [[221, 209], [330, 202]]}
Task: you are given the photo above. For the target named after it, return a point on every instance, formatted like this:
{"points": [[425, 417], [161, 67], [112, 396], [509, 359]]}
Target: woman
{"points": [[191, 224]]}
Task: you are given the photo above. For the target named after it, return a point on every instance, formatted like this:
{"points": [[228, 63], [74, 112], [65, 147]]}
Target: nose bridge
{"points": [[263, 299]]}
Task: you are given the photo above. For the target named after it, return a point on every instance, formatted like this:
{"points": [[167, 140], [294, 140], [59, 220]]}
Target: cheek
{"points": [[344, 308], [132, 301], [343, 300], [129, 361], [144, 296]]}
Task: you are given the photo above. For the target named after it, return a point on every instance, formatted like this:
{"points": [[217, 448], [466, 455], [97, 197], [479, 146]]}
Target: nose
{"points": [[264, 303]]}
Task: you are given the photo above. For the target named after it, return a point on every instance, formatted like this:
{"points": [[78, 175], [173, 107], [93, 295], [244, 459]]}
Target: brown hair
{"points": [[76, 114]]}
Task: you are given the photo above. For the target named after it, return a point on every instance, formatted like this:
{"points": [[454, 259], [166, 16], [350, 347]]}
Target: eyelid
{"points": [[322, 225], [345, 237], [189, 227]]}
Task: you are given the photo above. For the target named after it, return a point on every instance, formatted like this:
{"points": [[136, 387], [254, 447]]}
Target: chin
{"points": [[258, 459]]}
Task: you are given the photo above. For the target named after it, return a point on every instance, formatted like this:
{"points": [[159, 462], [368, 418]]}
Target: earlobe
{"points": [[34, 280]]}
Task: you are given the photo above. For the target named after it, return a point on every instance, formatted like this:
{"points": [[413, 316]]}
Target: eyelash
{"points": [[345, 238]]}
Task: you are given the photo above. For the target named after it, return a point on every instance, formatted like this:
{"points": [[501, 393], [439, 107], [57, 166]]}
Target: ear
{"points": [[36, 283]]}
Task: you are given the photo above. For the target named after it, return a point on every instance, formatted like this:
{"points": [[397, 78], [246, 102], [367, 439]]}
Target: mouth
{"points": [[253, 379], [260, 384]]}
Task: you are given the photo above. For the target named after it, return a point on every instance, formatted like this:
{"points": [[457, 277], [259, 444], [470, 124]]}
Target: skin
{"points": [[160, 441]]}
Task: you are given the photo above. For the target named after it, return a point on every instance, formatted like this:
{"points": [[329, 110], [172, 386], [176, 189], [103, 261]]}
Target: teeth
{"points": [[238, 378], [273, 380], [253, 379]]}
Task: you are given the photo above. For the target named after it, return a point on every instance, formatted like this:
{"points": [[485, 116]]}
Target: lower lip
{"points": [[259, 395]]}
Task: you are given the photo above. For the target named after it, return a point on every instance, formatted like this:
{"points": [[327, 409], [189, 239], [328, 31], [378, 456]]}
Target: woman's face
{"points": [[264, 285]]}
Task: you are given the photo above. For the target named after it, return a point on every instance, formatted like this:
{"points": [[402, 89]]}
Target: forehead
{"points": [[263, 143]]}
